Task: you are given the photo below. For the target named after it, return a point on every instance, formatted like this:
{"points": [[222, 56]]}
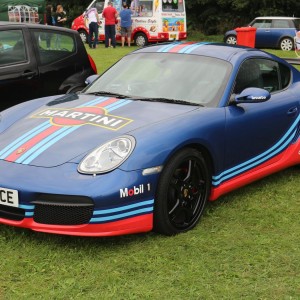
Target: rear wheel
{"points": [[140, 39], [231, 40], [286, 44], [182, 193]]}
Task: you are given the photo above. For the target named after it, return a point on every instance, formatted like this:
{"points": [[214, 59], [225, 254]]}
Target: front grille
{"points": [[62, 210], [12, 213]]}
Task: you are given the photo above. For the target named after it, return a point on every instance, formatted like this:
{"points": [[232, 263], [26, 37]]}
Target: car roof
{"points": [[277, 18], [4, 24], [218, 50]]}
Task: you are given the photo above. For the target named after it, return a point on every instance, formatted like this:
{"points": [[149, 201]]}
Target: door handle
{"points": [[28, 74], [292, 112]]}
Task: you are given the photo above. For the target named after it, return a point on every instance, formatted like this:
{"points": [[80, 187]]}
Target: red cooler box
{"points": [[246, 36]]}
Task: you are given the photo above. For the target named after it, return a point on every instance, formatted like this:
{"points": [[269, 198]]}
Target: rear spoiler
{"points": [[292, 61]]}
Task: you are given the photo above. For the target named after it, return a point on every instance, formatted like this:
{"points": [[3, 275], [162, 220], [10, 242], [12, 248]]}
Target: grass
{"points": [[246, 246]]}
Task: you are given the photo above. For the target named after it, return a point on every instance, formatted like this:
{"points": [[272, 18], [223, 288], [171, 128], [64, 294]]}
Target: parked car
{"points": [[148, 143], [271, 32], [40, 60]]}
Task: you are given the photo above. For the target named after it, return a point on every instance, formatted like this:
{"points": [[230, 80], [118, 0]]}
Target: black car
{"points": [[39, 60]]}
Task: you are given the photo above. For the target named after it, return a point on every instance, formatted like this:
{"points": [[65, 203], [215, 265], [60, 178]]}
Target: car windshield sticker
{"points": [[34, 142]]}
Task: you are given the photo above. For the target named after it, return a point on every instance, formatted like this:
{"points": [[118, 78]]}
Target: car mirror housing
{"points": [[91, 79], [252, 95]]}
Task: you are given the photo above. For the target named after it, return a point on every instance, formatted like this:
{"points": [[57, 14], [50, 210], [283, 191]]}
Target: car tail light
{"points": [[93, 65]]}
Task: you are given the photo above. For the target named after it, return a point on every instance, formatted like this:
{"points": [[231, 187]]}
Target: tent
{"points": [[29, 11]]}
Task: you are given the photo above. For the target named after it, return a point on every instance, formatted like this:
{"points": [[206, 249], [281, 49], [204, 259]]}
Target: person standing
{"points": [[51, 22], [126, 23], [60, 16], [60, 19], [110, 15], [92, 19]]}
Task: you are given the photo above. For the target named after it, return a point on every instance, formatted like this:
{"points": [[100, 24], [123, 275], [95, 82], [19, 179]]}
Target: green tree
{"points": [[217, 16]]}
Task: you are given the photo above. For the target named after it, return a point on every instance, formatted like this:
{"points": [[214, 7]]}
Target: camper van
{"points": [[23, 11], [152, 21]]}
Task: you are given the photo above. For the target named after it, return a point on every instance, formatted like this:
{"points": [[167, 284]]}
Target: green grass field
{"points": [[246, 246]]}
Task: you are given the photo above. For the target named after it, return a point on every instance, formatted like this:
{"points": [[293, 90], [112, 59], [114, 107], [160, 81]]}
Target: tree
{"points": [[217, 16]]}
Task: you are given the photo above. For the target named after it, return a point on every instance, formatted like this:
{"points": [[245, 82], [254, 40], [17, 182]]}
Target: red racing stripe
{"points": [[26, 146], [179, 47]]}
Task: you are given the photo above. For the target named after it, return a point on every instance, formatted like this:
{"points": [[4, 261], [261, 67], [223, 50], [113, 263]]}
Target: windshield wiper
{"points": [[167, 100], [104, 93]]}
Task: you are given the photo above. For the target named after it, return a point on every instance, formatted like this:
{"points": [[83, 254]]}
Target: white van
{"points": [[152, 21]]}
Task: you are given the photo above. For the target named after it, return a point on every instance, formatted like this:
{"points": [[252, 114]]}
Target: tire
{"points": [[286, 44], [231, 40], [141, 40], [84, 36], [182, 193]]}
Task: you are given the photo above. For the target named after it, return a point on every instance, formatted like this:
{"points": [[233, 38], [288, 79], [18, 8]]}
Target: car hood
{"points": [[68, 127]]}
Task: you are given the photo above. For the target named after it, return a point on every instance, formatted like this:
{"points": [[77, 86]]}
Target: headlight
{"points": [[108, 156]]}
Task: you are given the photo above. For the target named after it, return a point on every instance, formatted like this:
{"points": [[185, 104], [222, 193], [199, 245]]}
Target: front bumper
{"points": [[62, 201]]}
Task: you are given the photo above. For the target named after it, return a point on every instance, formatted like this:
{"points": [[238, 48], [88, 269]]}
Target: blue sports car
{"points": [[147, 144]]}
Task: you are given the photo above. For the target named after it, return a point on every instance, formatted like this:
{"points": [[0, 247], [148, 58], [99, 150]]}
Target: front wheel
{"points": [[286, 44], [83, 35], [182, 193], [141, 40]]}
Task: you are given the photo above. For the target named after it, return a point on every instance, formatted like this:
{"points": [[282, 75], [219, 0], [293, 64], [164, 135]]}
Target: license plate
{"points": [[173, 36], [9, 197]]}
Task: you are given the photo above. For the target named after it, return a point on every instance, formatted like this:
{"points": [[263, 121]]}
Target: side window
{"points": [[146, 8], [285, 76], [12, 47], [262, 73], [249, 75], [54, 45], [262, 23], [281, 24], [172, 5]]}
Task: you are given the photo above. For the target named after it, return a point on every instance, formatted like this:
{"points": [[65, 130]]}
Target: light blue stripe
{"points": [[26, 206], [46, 144], [22, 139], [292, 128], [94, 102], [256, 163], [124, 215], [167, 48], [41, 143], [118, 209], [191, 48], [29, 214], [116, 105]]}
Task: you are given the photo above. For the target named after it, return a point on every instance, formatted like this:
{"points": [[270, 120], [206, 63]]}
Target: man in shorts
{"points": [[126, 23]]}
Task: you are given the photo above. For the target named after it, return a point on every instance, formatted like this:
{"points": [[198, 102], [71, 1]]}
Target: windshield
{"points": [[196, 79]]}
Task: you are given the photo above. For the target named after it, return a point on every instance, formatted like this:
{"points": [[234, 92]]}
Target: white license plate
{"points": [[9, 197]]}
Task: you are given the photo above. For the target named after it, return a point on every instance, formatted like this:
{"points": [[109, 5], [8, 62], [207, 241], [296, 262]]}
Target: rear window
{"points": [[297, 24], [12, 47], [54, 46]]}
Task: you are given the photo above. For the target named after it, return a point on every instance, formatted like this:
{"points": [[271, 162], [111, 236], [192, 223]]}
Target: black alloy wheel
{"points": [[183, 191]]}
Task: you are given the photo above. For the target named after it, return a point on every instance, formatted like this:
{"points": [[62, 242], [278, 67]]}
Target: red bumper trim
{"points": [[137, 224]]}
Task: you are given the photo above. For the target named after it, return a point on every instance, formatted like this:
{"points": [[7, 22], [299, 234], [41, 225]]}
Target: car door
{"points": [[18, 66], [57, 58], [257, 133], [263, 29]]}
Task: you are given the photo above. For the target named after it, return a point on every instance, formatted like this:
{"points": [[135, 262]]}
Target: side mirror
{"points": [[91, 79], [252, 95]]}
